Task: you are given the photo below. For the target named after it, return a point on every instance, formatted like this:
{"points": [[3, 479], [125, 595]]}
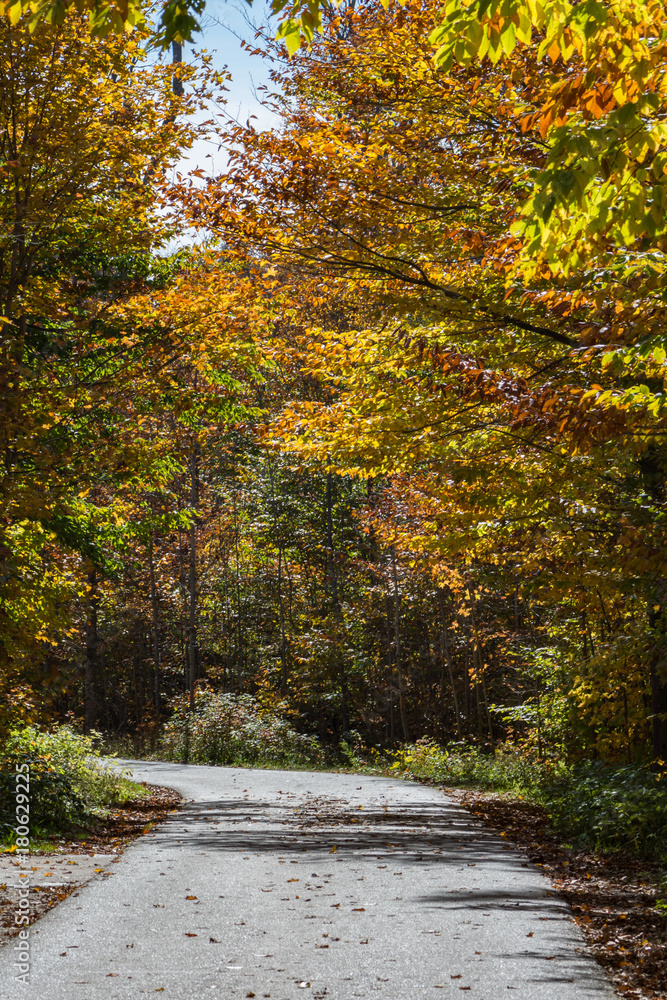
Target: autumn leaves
{"points": [[443, 274]]}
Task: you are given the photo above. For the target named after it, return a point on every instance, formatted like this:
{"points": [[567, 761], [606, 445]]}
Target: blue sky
{"points": [[225, 25]]}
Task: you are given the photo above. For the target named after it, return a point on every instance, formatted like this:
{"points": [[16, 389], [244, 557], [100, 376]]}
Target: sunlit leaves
{"points": [[179, 21]]}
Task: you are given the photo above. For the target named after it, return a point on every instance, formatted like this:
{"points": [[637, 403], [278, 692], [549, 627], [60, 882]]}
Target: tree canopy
{"points": [[384, 447]]}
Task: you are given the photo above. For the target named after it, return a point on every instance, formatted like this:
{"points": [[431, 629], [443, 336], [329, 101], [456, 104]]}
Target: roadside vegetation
{"points": [[590, 805], [70, 787], [609, 808], [224, 729]]}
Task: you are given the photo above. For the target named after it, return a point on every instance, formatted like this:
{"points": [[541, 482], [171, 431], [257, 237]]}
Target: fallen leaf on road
{"points": [[189, 934], [457, 977], [333, 849], [190, 897]]}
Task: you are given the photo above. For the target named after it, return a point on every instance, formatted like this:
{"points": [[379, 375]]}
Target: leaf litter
{"points": [[617, 901]]}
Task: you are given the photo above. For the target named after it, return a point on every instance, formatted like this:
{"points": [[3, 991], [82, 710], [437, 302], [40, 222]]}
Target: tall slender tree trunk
{"points": [[652, 466], [281, 603], [155, 606], [92, 649], [192, 576], [239, 632], [399, 658], [183, 624], [447, 659], [467, 697], [478, 703], [489, 720], [177, 59], [452, 682], [332, 586], [281, 608], [658, 670], [480, 679]]}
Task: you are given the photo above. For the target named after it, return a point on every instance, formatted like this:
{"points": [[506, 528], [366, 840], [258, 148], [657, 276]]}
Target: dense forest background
{"points": [[383, 448]]}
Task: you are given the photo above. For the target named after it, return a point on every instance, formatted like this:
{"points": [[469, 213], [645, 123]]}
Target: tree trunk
{"points": [[92, 647], [183, 623], [177, 59], [478, 703], [239, 633], [399, 663], [659, 715], [480, 680], [658, 686], [283, 650], [155, 605], [489, 720], [447, 659], [450, 668], [332, 586], [192, 578], [652, 465], [467, 706]]}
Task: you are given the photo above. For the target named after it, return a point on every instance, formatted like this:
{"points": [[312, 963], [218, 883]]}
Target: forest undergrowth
{"points": [[71, 789]]}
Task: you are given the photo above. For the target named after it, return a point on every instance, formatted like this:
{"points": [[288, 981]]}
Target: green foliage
{"points": [[591, 805], [507, 770], [228, 729], [69, 784], [611, 808], [356, 753]]}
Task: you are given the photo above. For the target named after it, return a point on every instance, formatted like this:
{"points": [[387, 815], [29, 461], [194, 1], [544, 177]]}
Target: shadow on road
{"points": [[417, 834]]}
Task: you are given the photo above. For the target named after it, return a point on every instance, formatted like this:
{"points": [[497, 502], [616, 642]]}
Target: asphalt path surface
{"points": [[291, 885]]}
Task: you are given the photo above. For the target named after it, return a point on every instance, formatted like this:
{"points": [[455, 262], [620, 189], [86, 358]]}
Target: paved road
{"points": [[292, 885]]}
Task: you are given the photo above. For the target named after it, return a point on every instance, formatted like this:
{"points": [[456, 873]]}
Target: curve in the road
{"points": [[288, 884]]}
